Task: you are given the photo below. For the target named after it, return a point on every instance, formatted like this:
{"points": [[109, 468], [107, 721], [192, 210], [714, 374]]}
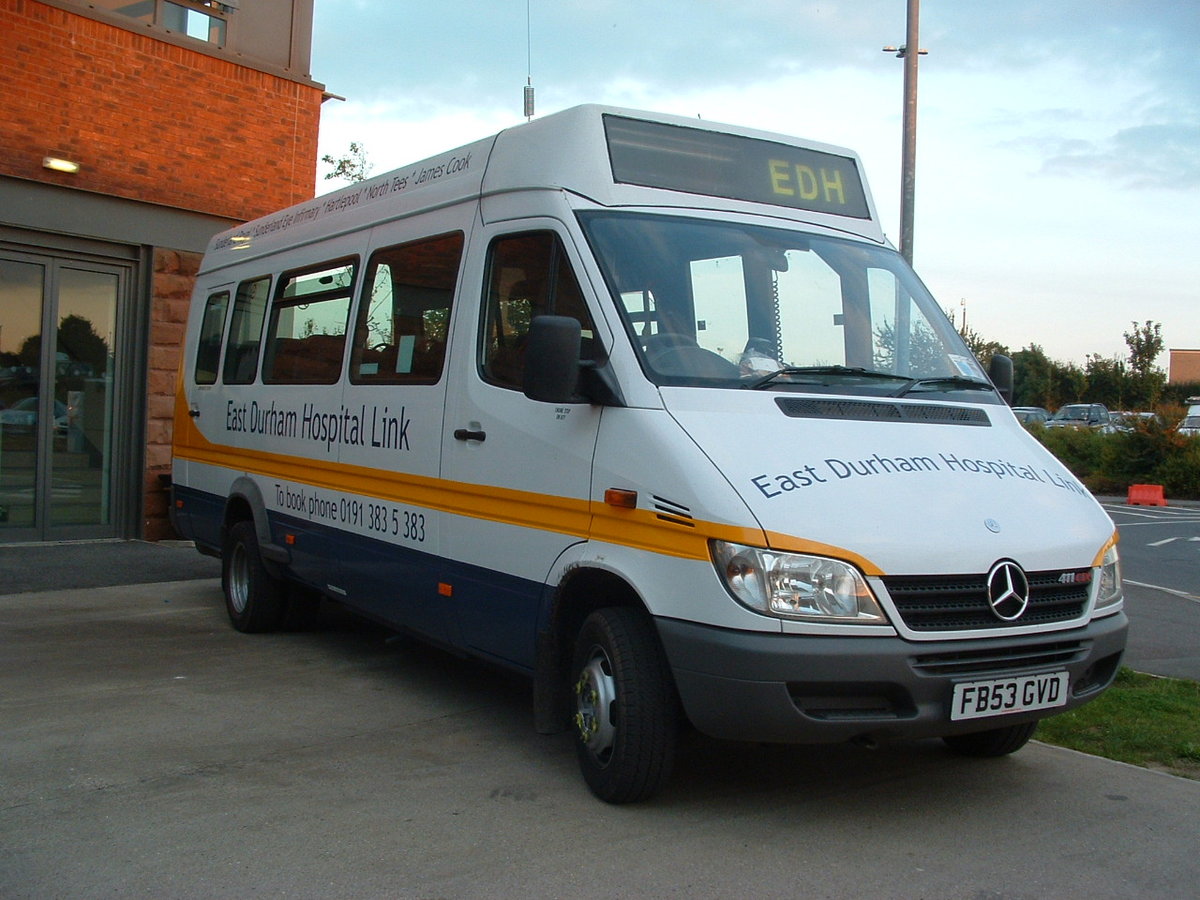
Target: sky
{"points": [[1057, 185]]}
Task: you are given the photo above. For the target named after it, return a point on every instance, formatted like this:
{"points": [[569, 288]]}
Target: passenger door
{"points": [[397, 383], [295, 413], [519, 471]]}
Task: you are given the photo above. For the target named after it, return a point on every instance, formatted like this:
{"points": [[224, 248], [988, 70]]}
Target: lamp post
{"points": [[908, 153]]}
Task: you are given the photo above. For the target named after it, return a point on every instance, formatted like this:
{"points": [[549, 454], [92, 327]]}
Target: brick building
{"points": [[131, 132], [1184, 367]]}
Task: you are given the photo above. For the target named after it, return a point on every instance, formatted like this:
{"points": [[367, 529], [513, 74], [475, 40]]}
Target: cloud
{"points": [[1039, 122], [1144, 156]]}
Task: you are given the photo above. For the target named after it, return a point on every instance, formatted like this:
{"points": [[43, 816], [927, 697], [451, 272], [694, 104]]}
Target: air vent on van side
{"points": [[881, 411], [670, 511]]}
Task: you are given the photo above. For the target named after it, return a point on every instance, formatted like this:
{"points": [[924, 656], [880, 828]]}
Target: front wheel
{"points": [[626, 711], [994, 742], [254, 599]]}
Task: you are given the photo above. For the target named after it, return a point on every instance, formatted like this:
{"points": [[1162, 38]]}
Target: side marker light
{"points": [[621, 498]]}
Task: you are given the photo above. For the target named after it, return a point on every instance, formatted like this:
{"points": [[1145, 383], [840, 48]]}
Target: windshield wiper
{"points": [[956, 382], [849, 371]]}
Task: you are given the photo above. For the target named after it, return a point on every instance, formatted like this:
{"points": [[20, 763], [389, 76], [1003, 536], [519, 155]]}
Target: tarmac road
{"points": [[148, 750]]}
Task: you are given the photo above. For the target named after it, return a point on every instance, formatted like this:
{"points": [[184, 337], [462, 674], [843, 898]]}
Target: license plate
{"points": [[1001, 696]]}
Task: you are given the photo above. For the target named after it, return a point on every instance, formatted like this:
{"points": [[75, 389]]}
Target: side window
{"points": [[404, 314], [528, 275], [904, 341], [308, 324], [212, 329], [245, 331]]}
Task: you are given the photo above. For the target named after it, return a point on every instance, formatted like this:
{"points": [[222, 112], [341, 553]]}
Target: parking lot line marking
{"points": [[1155, 587]]}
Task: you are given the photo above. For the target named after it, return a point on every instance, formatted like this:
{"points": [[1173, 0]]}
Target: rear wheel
{"points": [[626, 711], [994, 742], [254, 599]]}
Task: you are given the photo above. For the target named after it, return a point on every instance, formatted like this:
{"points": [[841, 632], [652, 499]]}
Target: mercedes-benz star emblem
{"points": [[1007, 590]]}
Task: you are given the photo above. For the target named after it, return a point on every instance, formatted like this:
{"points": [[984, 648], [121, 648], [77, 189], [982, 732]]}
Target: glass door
{"points": [[22, 297], [58, 369]]}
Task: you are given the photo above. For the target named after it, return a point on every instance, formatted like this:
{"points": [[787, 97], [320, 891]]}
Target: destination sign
{"points": [[716, 164]]}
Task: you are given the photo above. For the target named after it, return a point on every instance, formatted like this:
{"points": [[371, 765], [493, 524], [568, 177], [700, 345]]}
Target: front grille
{"points": [[932, 603], [990, 660]]}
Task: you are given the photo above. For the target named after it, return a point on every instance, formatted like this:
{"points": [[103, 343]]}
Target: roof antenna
{"points": [[528, 65]]}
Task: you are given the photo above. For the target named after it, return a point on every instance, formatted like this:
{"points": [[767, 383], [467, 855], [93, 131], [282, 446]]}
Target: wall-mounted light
{"points": [[58, 164]]}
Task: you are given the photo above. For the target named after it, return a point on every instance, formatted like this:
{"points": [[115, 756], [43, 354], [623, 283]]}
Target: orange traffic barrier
{"points": [[1146, 495]]}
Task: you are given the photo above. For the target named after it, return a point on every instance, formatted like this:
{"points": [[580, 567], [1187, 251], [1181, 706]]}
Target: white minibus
{"points": [[648, 409]]}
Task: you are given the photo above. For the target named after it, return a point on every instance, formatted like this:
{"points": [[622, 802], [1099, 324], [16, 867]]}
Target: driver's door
{"points": [[521, 469]]}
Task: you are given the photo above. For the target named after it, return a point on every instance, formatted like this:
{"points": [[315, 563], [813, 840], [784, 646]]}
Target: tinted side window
{"points": [[308, 324], [245, 331], [528, 275], [212, 329], [404, 314]]}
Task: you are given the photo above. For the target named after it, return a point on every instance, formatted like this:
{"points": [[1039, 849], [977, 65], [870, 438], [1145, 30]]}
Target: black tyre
{"points": [[254, 599], [626, 710], [994, 742]]}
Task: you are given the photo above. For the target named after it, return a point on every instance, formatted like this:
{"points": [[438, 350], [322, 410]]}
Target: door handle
{"points": [[194, 412], [462, 434]]}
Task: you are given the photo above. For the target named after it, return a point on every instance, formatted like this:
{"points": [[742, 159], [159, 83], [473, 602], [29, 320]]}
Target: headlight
{"points": [[796, 586], [1109, 592]]}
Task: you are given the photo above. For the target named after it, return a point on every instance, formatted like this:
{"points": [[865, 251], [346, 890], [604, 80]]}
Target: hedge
{"points": [[1110, 463]]}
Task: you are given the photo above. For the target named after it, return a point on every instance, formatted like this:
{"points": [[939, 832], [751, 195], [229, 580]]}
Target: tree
{"points": [[1145, 344], [77, 338], [983, 349], [351, 166], [1107, 381], [1041, 381]]}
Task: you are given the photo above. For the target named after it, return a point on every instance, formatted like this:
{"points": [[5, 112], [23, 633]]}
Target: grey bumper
{"points": [[812, 689]]}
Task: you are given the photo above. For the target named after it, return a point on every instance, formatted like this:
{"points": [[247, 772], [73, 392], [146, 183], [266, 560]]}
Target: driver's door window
{"points": [[528, 275]]}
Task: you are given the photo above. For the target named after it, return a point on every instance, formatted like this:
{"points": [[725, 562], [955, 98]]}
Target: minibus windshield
{"points": [[726, 304]]}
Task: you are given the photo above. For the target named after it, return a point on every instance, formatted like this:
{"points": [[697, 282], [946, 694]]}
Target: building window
{"points": [[204, 20]]}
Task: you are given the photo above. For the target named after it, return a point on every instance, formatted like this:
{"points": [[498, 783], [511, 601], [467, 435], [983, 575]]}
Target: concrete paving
{"points": [[148, 750], [87, 564]]}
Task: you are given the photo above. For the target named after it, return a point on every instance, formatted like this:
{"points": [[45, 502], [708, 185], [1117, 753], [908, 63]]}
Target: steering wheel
{"points": [[671, 353]]}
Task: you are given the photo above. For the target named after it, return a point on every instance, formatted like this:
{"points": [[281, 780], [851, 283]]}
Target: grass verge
{"points": [[1145, 720]]}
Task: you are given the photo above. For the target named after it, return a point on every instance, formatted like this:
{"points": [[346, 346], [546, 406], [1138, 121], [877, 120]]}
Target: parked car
{"points": [[1123, 420], [22, 416], [1191, 421], [1031, 415], [1082, 415]]}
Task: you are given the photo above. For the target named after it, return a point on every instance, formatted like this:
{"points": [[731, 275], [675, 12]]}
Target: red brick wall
{"points": [[174, 274], [149, 120], [155, 122]]}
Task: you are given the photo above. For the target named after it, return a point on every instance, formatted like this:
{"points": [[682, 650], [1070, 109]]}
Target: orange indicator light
{"points": [[621, 498]]}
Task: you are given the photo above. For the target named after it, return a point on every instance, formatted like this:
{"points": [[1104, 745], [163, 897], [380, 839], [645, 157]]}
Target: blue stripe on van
{"points": [[488, 613]]}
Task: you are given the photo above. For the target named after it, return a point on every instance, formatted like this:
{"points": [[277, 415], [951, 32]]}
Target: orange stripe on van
{"points": [[641, 529]]}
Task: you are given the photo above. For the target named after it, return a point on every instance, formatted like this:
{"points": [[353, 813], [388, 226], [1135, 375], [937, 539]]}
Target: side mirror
{"points": [[552, 359], [1000, 371]]}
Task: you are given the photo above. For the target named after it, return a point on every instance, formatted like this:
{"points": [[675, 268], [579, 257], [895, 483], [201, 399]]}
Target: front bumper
{"points": [[789, 688]]}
